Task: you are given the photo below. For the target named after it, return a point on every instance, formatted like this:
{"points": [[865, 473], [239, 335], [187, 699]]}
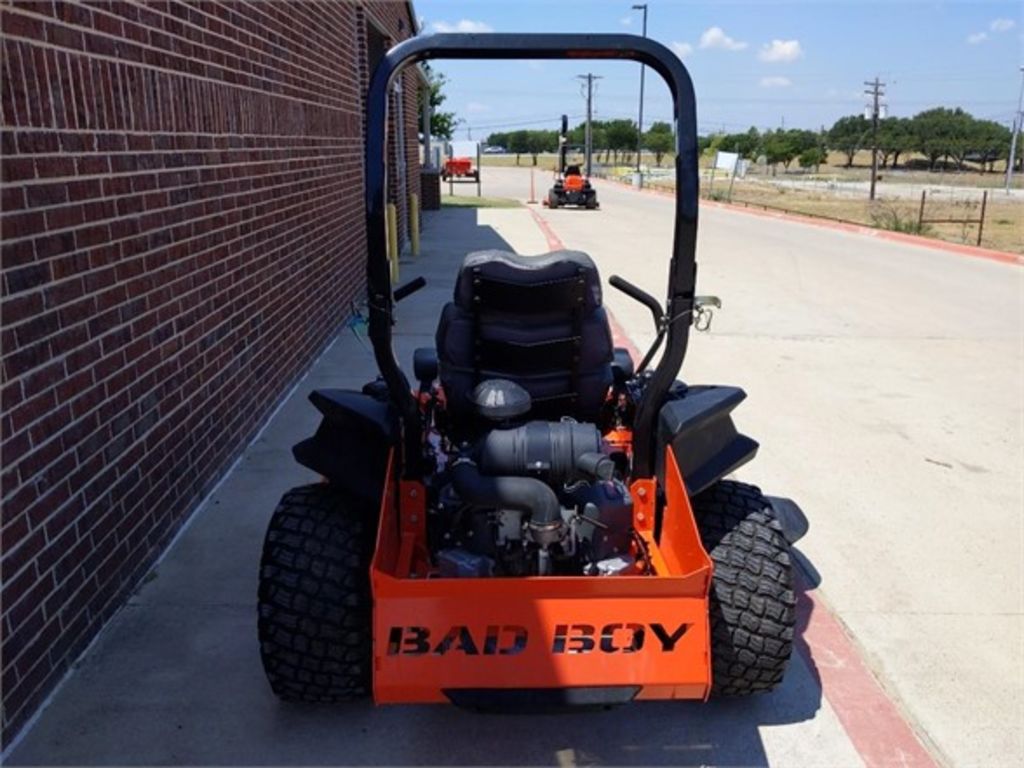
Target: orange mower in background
{"points": [[571, 187], [541, 521]]}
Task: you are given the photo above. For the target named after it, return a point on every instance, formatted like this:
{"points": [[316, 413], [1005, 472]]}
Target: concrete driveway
{"points": [[884, 386]]}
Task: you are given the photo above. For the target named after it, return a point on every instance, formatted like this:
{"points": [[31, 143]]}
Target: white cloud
{"points": [[463, 25], [977, 37], [781, 50], [715, 37], [682, 49], [626, 21], [775, 82], [476, 107], [1002, 25]]}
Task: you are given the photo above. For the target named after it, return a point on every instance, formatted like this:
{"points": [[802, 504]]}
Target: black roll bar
{"points": [[682, 267]]}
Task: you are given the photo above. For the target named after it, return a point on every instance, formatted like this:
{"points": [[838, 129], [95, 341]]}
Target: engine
{"points": [[536, 499]]}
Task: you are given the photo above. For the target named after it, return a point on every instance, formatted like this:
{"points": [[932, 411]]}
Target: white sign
{"points": [[726, 161], [462, 148]]}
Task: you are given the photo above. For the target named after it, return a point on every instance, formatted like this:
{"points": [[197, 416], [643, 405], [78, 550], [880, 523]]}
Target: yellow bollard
{"points": [[414, 223], [392, 219]]}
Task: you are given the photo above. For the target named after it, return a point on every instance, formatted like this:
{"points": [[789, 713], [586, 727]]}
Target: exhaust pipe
{"points": [[525, 494]]}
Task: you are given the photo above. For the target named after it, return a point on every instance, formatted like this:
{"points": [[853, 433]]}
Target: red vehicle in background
{"points": [[460, 163]]}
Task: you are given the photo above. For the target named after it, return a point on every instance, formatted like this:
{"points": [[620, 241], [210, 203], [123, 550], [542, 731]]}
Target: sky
{"points": [[797, 64]]}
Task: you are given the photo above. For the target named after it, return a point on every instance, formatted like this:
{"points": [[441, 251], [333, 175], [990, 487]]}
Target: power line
{"points": [[518, 123]]}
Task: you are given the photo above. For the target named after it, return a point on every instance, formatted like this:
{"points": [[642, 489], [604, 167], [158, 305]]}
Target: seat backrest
{"points": [[537, 320]]}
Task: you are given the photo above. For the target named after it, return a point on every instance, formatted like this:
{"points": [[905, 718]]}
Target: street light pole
{"points": [[1018, 125], [640, 119]]}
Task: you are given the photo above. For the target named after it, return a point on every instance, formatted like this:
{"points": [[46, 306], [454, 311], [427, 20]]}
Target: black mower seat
{"points": [[536, 320]]}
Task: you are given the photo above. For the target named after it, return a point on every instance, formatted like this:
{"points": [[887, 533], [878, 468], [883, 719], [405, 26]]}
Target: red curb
{"points": [[1003, 257], [554, 242], [874, 724]]}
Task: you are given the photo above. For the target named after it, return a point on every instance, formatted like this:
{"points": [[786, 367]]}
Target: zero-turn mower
{"points": [[542, 521], [571, 187]]}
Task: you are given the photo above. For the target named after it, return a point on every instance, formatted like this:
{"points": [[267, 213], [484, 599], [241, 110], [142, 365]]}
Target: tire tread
{"points": [[753, 599], [314, 597]]}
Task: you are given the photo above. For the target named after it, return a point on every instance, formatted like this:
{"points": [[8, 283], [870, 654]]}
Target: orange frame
{"points": [[573, 183], [434, 634]]}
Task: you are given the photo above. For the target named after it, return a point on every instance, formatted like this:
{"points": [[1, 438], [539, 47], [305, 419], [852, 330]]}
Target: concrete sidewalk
{"points": [[176, 676]]}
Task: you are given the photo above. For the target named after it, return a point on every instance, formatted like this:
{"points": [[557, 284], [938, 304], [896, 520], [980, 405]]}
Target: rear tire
{"points": [[752, 601], [552, 200], [314, 597]]}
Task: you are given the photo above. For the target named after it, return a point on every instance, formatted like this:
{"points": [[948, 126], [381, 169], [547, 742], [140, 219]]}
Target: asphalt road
{"points": [[884, 384]]}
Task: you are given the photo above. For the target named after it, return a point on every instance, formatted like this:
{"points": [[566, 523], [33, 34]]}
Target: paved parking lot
{"points": [[884, 385]]}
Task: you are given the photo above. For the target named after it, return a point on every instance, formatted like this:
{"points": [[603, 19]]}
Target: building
{"points": [[182, 232]]}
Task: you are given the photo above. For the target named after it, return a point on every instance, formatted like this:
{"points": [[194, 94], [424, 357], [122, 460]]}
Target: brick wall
{"points": [[182, 231]]}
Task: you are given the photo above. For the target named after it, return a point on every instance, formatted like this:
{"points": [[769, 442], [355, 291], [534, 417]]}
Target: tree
{"points": [[960, 136], [619, 135], [895, 136], [578, 135], [746, 144], [942, 132], [848, 134], [498, 140], [781, 147], [442, 124], [812, 157], [991, 142], [659, 140], [519, 142], [541, 141], [711, 146]]}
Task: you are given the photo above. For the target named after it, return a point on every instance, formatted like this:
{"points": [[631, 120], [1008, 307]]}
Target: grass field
{"points": [[1003, 229], [459, 201]]}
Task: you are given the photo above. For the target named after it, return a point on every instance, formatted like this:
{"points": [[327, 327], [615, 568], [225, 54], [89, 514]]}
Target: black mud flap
{"points": [[529, 701], [350, 447], [794, 522], [697, 423]]}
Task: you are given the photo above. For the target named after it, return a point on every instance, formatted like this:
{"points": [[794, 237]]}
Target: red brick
{"points": [[160, 217]]}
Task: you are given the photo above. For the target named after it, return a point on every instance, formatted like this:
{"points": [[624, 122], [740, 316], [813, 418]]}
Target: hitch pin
{"points": [[703, 314]]}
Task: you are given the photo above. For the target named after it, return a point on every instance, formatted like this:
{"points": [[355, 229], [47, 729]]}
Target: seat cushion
{"points": [[526, 319], [514, 281]]}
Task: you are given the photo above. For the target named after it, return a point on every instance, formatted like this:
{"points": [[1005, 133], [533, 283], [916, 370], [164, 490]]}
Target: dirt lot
{"points": [[951, 195], [1003, 229]]}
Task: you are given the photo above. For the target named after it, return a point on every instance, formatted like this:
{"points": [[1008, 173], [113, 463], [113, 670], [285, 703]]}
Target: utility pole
{"points": [[589, 141], [640, 117], [1018, 124], [876, 91]]}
